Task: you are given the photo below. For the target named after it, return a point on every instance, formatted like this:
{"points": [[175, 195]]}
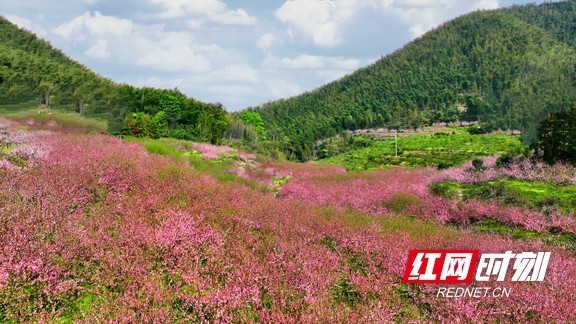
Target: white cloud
{"points": [[98, 50], [235, 73], [231, 90], [234, 17], [182, 8], [330, 75], [280, 88], [215, 10], [303, 61], [266, 41], [173, 52], [174, 59], [323, 21], [195, 23], [423, 15], [148, 46], [97, 25], [316, 19], [306, 61]]}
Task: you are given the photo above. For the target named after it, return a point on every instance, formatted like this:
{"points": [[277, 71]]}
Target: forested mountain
{"points": [[31, 69], [506, 68]]}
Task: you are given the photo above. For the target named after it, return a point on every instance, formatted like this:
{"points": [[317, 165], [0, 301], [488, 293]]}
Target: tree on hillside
{"points": [[47, 90], [253, 118], [557, 137]]}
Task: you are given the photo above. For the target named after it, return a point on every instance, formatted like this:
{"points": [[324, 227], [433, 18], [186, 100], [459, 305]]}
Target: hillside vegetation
{"points": [[34, 74], [506, 68], [444, 148]]}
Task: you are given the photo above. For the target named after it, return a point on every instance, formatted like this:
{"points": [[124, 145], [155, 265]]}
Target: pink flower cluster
{"points": [[19, 145], [210, 151], [520, 168], [382, 192], [101, 231]]}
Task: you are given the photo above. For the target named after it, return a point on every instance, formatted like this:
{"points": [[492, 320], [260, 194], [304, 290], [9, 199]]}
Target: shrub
{"points": [[443, 165], [504, 160], [399, 202], [475, 130], [446, 189], [478, 164], [345, 292]]}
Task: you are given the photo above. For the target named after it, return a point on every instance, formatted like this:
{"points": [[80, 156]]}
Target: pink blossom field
{"points": [[95, 229]]}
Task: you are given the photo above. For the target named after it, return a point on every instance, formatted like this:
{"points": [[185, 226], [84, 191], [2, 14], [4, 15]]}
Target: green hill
{"points": [[506, 68], [34, 74]]}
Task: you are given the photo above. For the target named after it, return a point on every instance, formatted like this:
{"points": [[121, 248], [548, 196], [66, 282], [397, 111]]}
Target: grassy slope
{"points": [[64, 116], [449, 147]]}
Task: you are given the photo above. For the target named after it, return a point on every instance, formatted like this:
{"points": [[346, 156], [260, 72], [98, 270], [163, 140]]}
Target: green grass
{"points": [[179, 150], [442, 149], [417, 229], [62, 115], [398, 202], [78, 308], [539, 196], [278, 183], [564, 240], [158, 147]]}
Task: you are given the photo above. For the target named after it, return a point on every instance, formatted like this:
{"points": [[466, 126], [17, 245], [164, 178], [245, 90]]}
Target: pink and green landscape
{"points": [[133, 204], [96, 228]]}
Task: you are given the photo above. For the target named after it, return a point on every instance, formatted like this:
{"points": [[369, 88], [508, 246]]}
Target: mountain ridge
{"points": [[509, 68]]}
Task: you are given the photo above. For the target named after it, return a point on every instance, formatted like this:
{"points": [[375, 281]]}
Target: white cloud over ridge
{"points": [[323, 21], [27, 24], [424, 15]]}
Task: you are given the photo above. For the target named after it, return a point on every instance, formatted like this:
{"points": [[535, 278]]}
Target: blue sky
{"points": [[239, 53]]}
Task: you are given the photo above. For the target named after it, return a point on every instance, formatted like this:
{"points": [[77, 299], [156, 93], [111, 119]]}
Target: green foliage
{"points": [[398, 202], [504, 160], [179, 151], [565, 240], [557, 137], [507, 69], [141, 125], [157, 147], [345, 292], [341, 144], [539, 196], [422, 149], [477, 164], [448, 189], [278, 183], [253, 118], [476, 129]]}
